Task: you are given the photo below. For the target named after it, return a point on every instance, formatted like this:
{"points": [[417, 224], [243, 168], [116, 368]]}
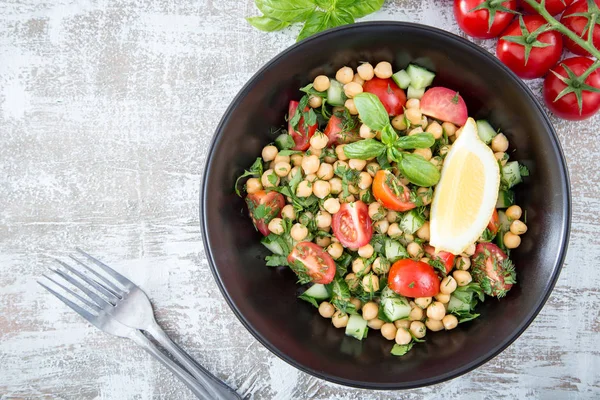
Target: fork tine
{"points": [[84, 313], [66, 289], [118, 277], [108, 285], [99, 300]]}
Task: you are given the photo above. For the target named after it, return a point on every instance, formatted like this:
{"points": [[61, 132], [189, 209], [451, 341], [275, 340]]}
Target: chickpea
{"points": [[269, 153], [321, 83], [299, 232], [370, 283], [370, 310], [514, 212], [394, 230], [383, 70], [358, 79], [323, 220], [469, 251], [339, 320], [356, 303], [511, 241], [349, 104], [388, 331], [336, 185], [344, 75], [364, 180], [310, 164], [352, 281], [353, 188], [351, 89], [372, 168], [444, 149], [450, 321], [266, 178], [500, 143], [357, 164], [304, 189], [413, 103], [423, 302], [437, 161], [311, 178], [375, 323], [518, 228], [414, 250], [319, 141], [457, 133], [463, 278], [402, 323], [282, 169], [376, 211], [381, 266], [335, 250], [399, 122], [408, 237], [359, 267], [424, 231], [340, 165], [448, 285], [415, 131], [339, 151], [463, 263], [365, 71], [348, 199], [425, 260], [315, 101], [321, 189], [323, 241], [296, 159], [392, 216], [365, 251], [403, 336], [442, 298], [413, 115], [425, 194], [435, 129], [382, 226], [253, 185], [325, 171], [366, 132], [416, 314], [436, 310], [326, 309], [434, 325], [449, 128], [418, 330], [502, 157], [425, 153], [288, 212]]}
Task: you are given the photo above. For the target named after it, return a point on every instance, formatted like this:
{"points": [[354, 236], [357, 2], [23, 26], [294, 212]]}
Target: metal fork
{"points": [[121, 308]]}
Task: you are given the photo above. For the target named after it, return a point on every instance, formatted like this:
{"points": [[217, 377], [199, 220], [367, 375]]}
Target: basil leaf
{"points": [[394, 154], [416, 141], [389, 135], [360, 8], [287, 10], [340, 16], [267, 24], [364, 149], [371, 111], [318, 21], [418, 170]]}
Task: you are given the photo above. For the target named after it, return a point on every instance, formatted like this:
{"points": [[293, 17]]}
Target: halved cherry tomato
{"points": [[301, 137], [263, 208], [476, 23], [446, 258], [336, 134], [352, 225], [391, 192], [391, 96], [491, 271], [444, 104], [413, 279], [494, 223], [579, 25], [317, 263], [554, 7]]}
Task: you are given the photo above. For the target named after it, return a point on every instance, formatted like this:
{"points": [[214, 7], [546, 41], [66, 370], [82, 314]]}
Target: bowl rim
{"points": [[478, 361]]}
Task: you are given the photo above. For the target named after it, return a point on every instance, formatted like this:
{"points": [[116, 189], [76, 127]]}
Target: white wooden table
{"points": [[106, 112]]}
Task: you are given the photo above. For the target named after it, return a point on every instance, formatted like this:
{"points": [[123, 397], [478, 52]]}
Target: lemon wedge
{"points": [[465, 197]]}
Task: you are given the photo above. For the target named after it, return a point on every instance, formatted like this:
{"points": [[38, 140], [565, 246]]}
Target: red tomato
{"points": [[494, 223], [554, 7], [352, 225], [540, 59], [413, 279], [336, 134], [476, 23], [492, 270], [316, 262], [577, 24], [391, 96], [567, 107], [444, 104], [263, 208], [446, 258], [391, 192], [301, 138]]}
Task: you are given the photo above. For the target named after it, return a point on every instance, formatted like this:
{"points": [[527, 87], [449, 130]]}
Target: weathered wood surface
{"points": [[106, 112]]}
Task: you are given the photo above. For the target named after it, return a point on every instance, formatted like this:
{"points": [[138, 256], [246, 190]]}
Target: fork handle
{"points": [[198, 389], [217, 389]]}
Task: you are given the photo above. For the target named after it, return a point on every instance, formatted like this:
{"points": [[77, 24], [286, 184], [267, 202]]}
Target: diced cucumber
{"points": [[457, 305], [506, 198], [411, 222], [413, 93], [335, 93], [393, 305], [357, 327], [317, 292], [485, 130], [394, 250], [284, 141], [504, 222], [402, 79], [420, 78], [511, 174], [464, 296], [273, 243]]}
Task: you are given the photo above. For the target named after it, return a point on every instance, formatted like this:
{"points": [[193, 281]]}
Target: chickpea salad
{"points": [[379, 199]]}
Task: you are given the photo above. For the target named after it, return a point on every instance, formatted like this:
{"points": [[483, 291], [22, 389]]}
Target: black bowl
{"points": [[264, 298]]}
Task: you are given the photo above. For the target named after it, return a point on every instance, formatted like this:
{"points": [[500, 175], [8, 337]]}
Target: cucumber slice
{"points": [[357, 327], [413, 93], [457, 305], [394, 306], [394, 250], [511, 174], [317, 292], [402, 79], [273, 244], [335, 93], [420, 78], [506, 198], [464, 296], [411, 222], [284, 141], [485, 130], [504, 222]]}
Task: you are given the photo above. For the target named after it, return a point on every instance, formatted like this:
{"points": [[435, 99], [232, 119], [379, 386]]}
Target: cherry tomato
{"points": [[446, 258], [391, 192], [577, 24], [494, 223], [391, 96], [413, 279], [263, 208], [540, 59], [492, 270], [554, 7], [566, 106], [301, 138], [336, 133], [476, 23], [444, 104], [316, 262], [352, 225]]}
